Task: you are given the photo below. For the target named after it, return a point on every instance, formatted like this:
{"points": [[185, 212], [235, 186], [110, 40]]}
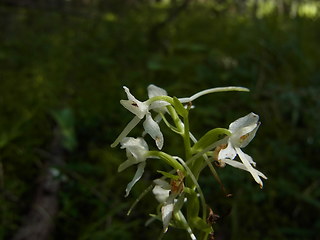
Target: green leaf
{"points": [[209, 138], [179, 107], [168, 175]]}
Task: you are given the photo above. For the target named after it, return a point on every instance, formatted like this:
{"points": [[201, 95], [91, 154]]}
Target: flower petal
{"points": [[162, 183], [240, 165], [166, 212], [154, 91], [250, 136], [153, 129], [134, 105], [160, 194], [242, 137], [248, 166], [126, 131], [245, 121], [159, 106], [126, 164], [135, 147], [250, 159], [227, 153], [136, 177]]}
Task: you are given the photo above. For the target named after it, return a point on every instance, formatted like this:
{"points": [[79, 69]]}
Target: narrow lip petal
{"points": [[241, 166], [152, 128], [136, 177], [250, 159], [248, 120], [248, 166], [126, 164], [134, 122]]}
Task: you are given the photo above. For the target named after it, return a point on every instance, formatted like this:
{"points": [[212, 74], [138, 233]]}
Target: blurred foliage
{"points": [[68, 68]]}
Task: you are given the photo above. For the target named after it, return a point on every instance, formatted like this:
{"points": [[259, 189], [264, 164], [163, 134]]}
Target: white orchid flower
{"points": [[242, 131], [162, 192], [136, 149], [167, 194], [141, 110]]}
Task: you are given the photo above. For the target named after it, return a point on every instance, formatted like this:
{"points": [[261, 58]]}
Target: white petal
{"points": [[248, 166], [250, 159], [126, 164], [239, 165], [245, 121], [162, 183], [134, 105], [126, 131], [135, 147], [160, 194], [157, 119], [242, 137], [154, 91], [227, 153], [138, 142], [137, 108], [136, 177], [166, 212], [250, 136], [159, 106], [153, 129]]}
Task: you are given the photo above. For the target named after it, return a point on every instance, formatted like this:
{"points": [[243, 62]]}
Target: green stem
{"points": [[176, 119], [195, 182], [160, 98], [168, 159], [186, 137]]}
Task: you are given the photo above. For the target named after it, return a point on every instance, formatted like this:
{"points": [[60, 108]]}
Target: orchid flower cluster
{"points": [[181, 201]]}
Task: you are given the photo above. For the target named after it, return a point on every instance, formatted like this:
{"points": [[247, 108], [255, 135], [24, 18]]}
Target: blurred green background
{"points": [[62, 68]]}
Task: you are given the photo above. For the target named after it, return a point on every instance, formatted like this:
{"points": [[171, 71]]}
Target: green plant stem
{"points": [[176, 119], [168, 159], [186, 137]]}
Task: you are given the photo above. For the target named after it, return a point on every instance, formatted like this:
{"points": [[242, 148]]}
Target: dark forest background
{"points": [[62, 68]]}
